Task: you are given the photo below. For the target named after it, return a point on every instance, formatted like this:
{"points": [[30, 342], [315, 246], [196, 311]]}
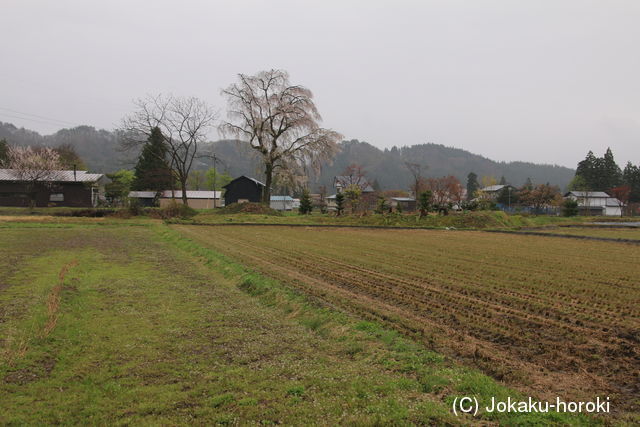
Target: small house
{"points": [[243, 189], [282, 203], [596, 203], [343, 182], [67, 188]]}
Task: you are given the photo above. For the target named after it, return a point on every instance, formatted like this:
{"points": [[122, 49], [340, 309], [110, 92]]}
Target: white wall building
{"points": [[596, 203]]}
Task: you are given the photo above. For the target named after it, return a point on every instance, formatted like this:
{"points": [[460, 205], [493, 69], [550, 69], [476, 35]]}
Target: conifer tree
{"points": [[305, 203], [472, 185], [340, 203], [152, 172]]}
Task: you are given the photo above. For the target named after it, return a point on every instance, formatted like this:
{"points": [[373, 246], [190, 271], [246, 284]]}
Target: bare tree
{"points": [[418, 181], [354, 174], [184, 123], [280, 121], [34, 167]]}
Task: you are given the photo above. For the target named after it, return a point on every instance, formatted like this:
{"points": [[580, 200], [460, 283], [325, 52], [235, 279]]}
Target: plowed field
{"points": [[550, 316]]}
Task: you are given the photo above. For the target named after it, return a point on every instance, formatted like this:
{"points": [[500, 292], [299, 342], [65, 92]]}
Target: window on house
{"points": [[56, 197]]}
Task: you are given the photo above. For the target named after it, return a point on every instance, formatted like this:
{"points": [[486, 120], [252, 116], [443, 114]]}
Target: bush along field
{"points": [[124, 325]]}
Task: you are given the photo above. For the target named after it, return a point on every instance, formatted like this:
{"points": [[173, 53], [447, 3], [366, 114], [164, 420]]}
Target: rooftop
{"points": [[493, 188], [57, 176], [589, 194]]}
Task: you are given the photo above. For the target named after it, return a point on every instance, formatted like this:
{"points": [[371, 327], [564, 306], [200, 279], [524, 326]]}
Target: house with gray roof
{"points": [[596, 203], [69, 188]]}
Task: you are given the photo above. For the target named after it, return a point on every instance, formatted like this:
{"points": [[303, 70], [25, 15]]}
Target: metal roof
{"points": [[493, 188], [281, 198], [166, 194], [403, 199], [57, 176], [589, 194]]}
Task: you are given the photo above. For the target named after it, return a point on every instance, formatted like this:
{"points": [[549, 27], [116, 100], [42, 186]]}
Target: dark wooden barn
{"points": [[68, 188], [243, 189]]}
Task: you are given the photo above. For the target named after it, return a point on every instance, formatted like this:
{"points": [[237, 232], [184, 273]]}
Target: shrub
{"points": [[570, 208], [381, 207], [176, 210], [252, 208]]}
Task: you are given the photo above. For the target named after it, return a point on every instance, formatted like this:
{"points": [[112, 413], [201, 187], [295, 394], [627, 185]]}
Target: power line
{"points": [[28, 119], [50, 119]]}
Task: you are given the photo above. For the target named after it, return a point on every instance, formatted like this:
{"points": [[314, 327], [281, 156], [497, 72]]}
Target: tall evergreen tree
{"points": [[599, 173], [611, 175], [631, 177], [503, 180], [472, 185], [588, 170], [152, 172]]}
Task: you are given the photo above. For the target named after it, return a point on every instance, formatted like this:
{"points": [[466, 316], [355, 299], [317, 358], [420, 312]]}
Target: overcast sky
{"points": [[541, 81]]}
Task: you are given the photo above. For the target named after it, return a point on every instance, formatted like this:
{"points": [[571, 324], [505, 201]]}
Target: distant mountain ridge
{"points": [[101, 152]]}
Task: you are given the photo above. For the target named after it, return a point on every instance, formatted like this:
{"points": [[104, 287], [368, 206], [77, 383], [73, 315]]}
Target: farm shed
{"points": [[281, 203], [406, 204], [195, 199], [66, 188], [243, 189], [596, 203]]}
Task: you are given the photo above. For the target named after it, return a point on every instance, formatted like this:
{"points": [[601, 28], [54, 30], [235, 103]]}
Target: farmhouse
{"points": [[596, 203], [282, 203], [342, 182], [243, 189], [492, 192], [67, 188]]}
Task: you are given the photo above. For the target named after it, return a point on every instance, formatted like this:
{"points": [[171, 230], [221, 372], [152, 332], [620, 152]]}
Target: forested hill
{"points": [[388, 166], [100, 150]]}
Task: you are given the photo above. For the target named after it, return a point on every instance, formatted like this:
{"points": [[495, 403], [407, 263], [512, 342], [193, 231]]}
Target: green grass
{"points": [[147, 334], [155, 329]]}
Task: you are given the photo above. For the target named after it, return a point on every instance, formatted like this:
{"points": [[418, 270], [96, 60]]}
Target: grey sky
{"points": [[541, 81]]}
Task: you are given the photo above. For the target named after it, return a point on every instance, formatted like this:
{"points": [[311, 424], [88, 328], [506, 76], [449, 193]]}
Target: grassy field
{"points": [[121, 322], [629, 233], [552, 317], [121, 325]]}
